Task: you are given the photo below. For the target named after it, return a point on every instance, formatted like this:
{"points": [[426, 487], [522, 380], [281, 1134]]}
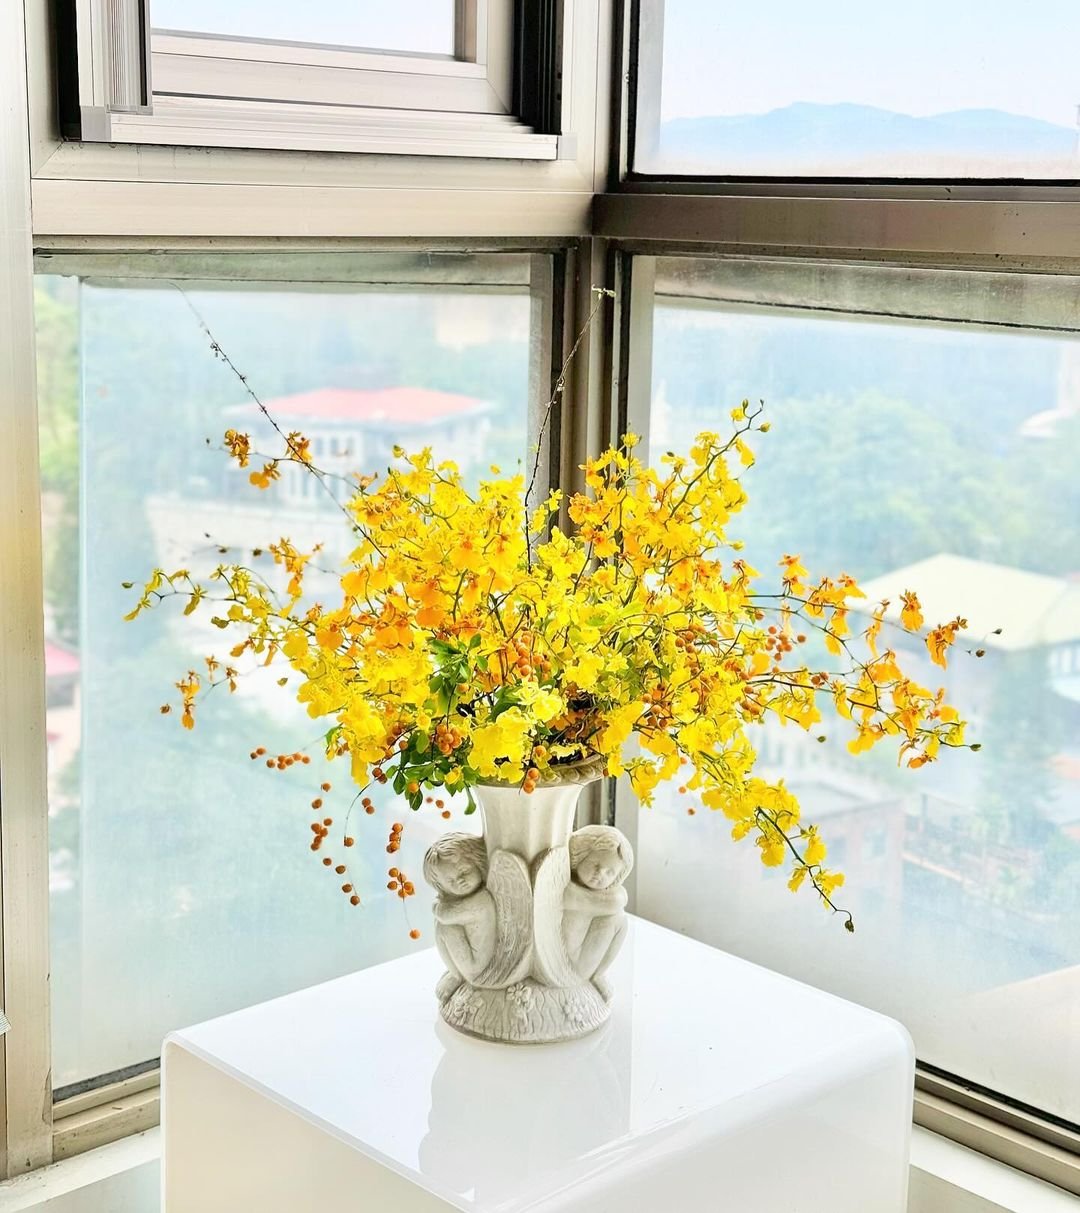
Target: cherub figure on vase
{"points": [[465, 920], [594, 905]]}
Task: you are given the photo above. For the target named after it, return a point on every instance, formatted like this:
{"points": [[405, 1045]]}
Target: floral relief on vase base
{"points": [[529, 916]]}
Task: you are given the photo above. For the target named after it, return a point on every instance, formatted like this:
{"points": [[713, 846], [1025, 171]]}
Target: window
{"points": [[953, 89], [180, 881], [939, 455], [421, 27], [436, 77], [853, 213]]}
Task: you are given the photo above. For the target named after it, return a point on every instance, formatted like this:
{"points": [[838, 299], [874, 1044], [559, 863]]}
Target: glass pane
{"points": [[939, 457], [182, 882], [420, 26], [934, 88]]}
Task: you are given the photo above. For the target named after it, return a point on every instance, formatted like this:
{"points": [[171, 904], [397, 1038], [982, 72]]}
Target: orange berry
{"points": [[261, 750], [328, 821], [369, 808], [414, 934], [393, 872], [327, 862], [340, 869], [349, 841], [690, 812], [446, 814], [354, 900], [392, 885], [409, 887], [316, 803], [305, 760], [315, 845], [253, 755], [346, 888], [397, 827], [269, 762]]}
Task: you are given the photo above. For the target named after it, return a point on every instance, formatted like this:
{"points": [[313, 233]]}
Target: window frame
{"points": [[86, 191], [104, 1109], [941, 224], [1004, 1129], [643, 61], [78, 196], [137, 84]]}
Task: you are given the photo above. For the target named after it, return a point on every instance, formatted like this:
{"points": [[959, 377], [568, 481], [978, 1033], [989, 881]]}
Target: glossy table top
{"points": [[699, 1042]]}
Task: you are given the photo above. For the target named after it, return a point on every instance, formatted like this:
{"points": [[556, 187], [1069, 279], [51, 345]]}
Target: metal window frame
{"points": [[24, 863], [91, 190], [86, 197], [993, 1124], [100, 1112], [641, 85], [137, 84]]}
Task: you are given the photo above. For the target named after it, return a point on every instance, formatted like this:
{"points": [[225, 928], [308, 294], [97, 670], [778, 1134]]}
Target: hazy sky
{"points": [[737, 57], [416, 25], [916, 57]]}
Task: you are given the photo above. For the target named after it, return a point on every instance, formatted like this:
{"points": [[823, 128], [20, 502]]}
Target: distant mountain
{"points": [[845, 133]]}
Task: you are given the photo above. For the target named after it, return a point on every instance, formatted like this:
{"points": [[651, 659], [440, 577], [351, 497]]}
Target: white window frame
{"points": [[963, 1112], [138, 84], [106, 1108]]}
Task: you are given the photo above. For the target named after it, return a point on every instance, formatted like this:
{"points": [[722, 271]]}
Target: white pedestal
{"points": [[715, 1086]]}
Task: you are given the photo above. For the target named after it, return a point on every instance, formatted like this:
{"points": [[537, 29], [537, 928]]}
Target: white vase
{"points": [[529, 916]]}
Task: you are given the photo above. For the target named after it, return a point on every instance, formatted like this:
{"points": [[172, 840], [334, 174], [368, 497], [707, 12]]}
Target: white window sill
{"points": [[124, 1178], [949, 1178]]}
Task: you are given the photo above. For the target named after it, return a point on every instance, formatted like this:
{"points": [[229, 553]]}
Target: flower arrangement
{"points": [[472, 640]]}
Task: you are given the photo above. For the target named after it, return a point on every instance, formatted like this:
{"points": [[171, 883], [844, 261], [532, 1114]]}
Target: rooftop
{"points": [[399, 405], [1031, 609]]}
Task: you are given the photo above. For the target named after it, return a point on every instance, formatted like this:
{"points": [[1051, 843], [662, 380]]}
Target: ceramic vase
{"points": [[529, 916]]}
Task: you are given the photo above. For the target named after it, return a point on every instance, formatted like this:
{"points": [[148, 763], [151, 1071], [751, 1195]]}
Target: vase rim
{"points": [[582, 771]]}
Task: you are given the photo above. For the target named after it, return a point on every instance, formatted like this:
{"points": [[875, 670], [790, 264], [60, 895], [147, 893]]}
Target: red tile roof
{"points": [[402, 405], [59, 661]]}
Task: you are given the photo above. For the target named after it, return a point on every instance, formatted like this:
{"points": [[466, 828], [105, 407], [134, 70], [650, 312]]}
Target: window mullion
{"points": [[25, 1110]]}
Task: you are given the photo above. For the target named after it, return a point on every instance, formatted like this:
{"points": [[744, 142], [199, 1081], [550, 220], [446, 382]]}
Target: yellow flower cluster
{"points": [[470, 643]]}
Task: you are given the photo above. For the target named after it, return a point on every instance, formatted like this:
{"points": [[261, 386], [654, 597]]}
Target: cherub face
{"points": [[455, 874], [600, 869]]}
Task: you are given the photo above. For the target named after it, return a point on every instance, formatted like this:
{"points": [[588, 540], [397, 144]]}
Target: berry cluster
{"points": [[403, 887], [281, 761], [447, 738]]}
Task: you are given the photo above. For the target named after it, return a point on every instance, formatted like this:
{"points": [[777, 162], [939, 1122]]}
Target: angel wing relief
{"points": [[510, 888], [551, 960]]}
